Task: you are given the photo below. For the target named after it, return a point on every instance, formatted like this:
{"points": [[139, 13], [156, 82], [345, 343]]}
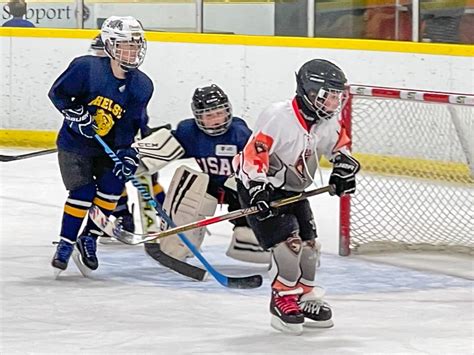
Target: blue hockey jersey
{"points": [[117, 105], [213, 153]]}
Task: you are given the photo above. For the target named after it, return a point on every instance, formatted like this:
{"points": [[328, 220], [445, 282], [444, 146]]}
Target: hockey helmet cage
{"points": [[212, 110], [124, 41]]}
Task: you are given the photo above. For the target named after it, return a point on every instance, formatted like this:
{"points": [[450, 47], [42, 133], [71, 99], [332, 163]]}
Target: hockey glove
{"points": [[343, 174], [128, 163], [80, 121], [260, 194]]}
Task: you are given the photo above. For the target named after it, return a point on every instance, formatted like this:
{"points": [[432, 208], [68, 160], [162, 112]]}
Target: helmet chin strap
{"points": [[126, 69], [308, 114]]}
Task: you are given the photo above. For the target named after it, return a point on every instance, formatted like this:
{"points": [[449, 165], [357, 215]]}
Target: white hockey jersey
{"points": [[283, 152]]}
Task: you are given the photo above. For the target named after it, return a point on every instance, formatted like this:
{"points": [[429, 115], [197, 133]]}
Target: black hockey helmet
{"points": [[318, 82], [97, 46], [210, 101]]}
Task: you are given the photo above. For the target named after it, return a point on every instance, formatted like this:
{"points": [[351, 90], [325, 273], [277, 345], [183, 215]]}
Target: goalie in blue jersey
{"points": [[213, 137], [107, 96]]}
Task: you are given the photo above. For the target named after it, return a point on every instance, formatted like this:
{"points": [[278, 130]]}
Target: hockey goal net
{"points": [[415, 188]]}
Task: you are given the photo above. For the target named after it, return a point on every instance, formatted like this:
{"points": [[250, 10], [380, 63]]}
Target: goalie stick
{"points": [[244, 282], [6, 158], [181, 267], [149, 224], [114, 228]]}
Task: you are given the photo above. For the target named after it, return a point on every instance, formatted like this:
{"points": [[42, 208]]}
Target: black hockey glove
{"points": [[343, 174], [80, 121], [260, 196], [147, 130], [128, 163]]}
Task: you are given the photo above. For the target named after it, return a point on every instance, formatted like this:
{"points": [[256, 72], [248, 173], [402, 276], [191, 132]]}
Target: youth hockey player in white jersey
{"points": [[281, 159]]}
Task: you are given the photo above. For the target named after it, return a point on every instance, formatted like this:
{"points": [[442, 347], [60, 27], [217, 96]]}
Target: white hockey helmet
{"points": [[124, 41]]}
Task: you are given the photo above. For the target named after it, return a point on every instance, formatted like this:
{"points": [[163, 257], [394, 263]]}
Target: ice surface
{"points": [[132, 305]]}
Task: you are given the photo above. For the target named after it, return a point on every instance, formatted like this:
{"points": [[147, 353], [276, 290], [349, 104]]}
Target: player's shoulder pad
{"points": [[239, 122], [141, 80], [84, 61], [185, 128], [240, 126], [188, 124]]}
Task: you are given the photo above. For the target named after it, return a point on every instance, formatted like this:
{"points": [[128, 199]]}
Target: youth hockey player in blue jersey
{"points": [[107, 96], [213, 137], [122, 210]]}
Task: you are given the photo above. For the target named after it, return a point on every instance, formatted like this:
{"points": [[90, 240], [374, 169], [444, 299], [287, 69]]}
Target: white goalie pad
{"points": [[147, 213], [231, 183], [245, 247], [157, 150], [185, 202]]}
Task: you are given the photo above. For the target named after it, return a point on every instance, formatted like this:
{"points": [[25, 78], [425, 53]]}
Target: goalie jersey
{"points": [[118, 106], [214, 154], [284, 151]]}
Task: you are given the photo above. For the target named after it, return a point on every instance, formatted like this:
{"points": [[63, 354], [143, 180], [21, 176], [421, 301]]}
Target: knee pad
{"points": [[185, 202], [245, 247], [285, 263], [310, 256], [83, 193]]}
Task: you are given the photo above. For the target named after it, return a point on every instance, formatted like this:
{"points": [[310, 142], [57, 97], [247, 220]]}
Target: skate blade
{"points": [[323, 324], [76, 257], [57, 272], [287, 328], [108, 240]]}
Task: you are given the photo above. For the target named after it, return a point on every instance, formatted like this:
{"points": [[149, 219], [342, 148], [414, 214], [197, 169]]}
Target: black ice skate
{"points": [[62, 255], [286, 314], [85, 257], [317, 313]]}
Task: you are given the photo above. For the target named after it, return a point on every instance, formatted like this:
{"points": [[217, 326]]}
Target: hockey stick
{"points": [[181, 267], [114, 229], [6, 158], [252, 281]]}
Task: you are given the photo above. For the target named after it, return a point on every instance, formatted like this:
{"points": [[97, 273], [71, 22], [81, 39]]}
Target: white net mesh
{"points": [[416, 186]]}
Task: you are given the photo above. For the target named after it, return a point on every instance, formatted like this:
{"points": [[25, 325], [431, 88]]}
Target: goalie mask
{"points": [[321, 85], [212, 110], [124, 41]]}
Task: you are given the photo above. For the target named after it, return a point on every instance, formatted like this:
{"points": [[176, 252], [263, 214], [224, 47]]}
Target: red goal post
{"points": [[416, 186]]}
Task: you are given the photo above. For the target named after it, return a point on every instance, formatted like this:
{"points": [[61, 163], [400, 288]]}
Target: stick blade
{"points": [[112, 228], [181, 267], [247, 282], [5, 158]]}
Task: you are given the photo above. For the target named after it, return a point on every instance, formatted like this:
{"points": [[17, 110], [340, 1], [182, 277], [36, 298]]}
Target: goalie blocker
{"points": [[187, 201]]}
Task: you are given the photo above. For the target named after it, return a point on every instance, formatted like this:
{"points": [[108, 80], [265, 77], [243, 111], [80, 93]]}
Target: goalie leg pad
{"points": [[245, 247], [185, 202]]}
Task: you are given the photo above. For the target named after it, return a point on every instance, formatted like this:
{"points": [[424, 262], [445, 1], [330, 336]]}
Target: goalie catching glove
{"points": [[128, 163], [157, 150], [80, 121], [343, 174]]}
